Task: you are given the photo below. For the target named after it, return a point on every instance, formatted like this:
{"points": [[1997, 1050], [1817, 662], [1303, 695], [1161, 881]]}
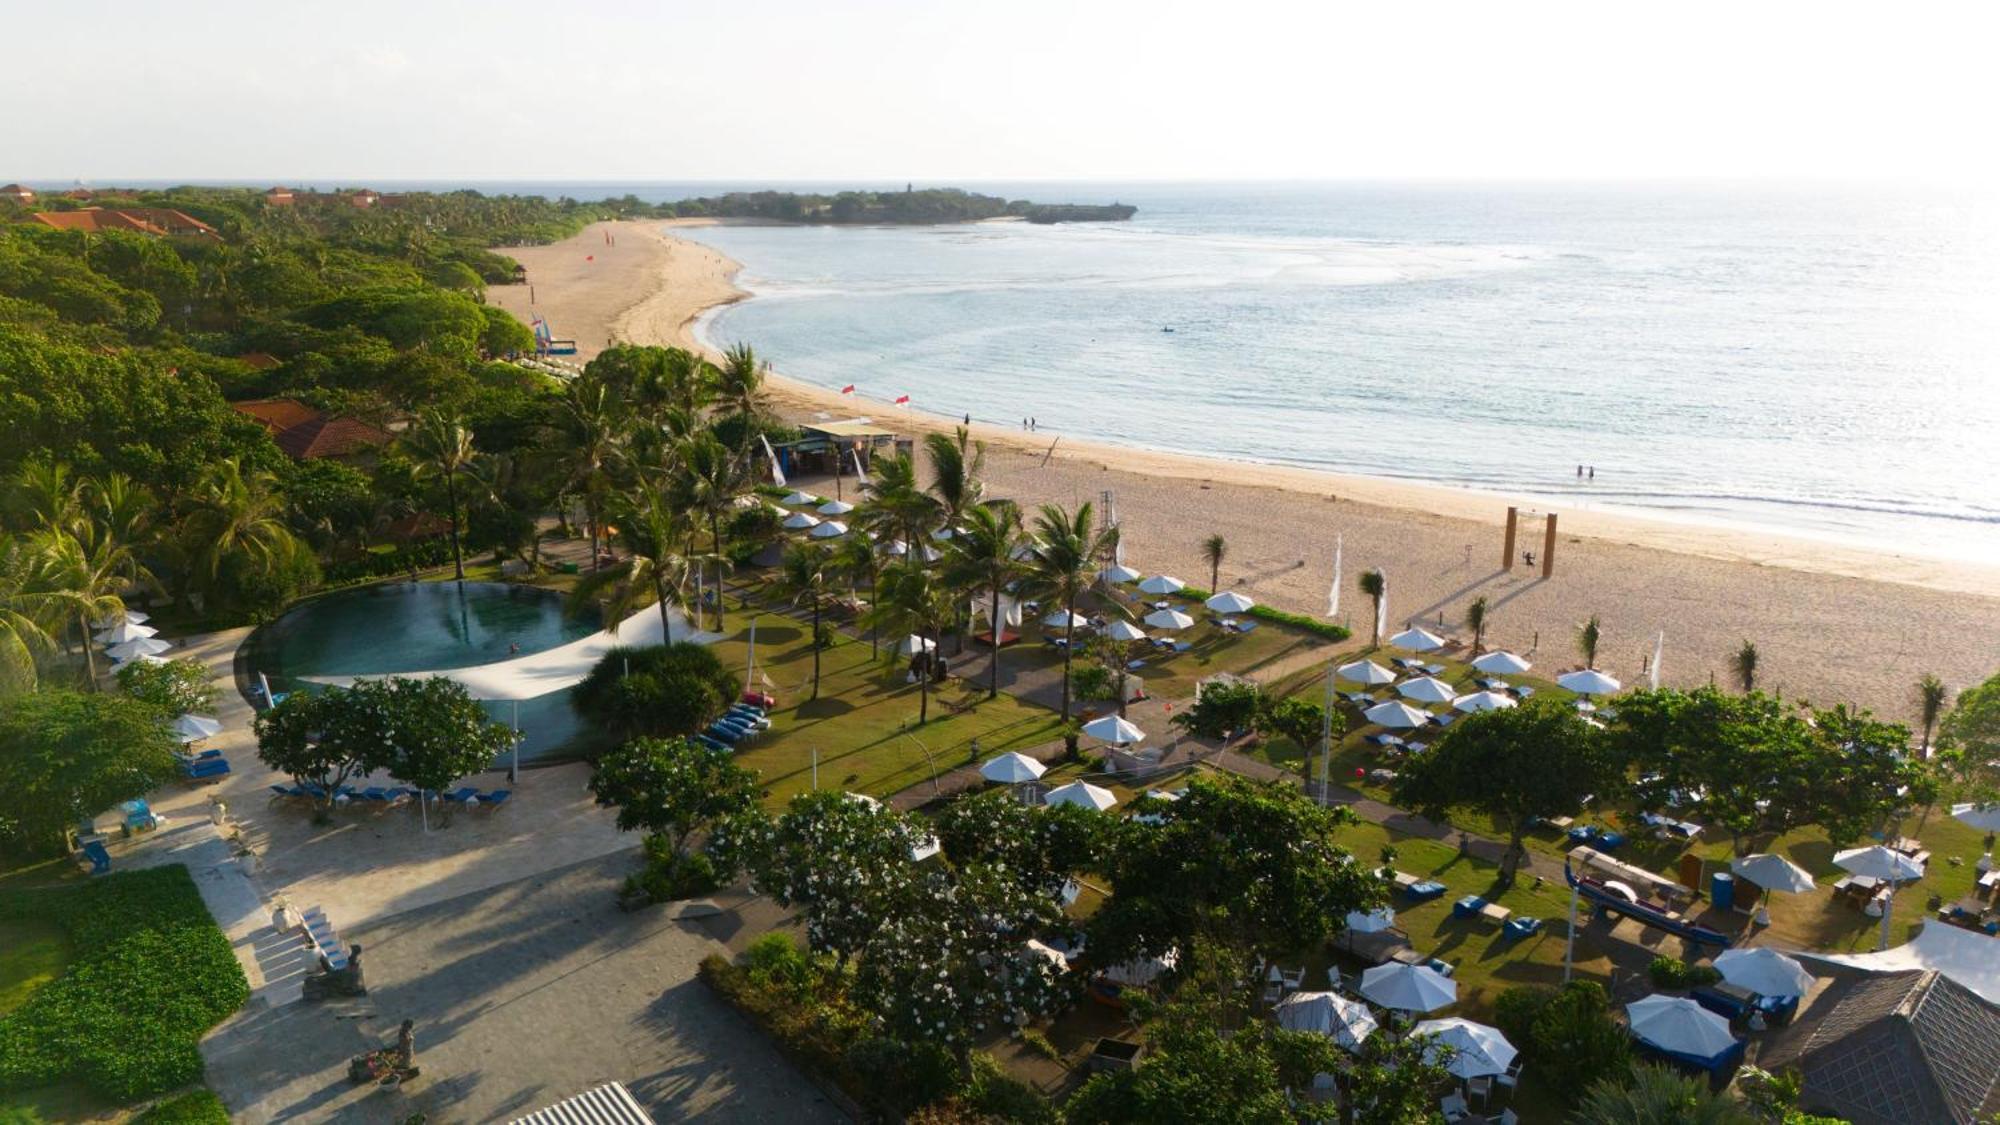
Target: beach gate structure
{"points": [[1507, 556]]}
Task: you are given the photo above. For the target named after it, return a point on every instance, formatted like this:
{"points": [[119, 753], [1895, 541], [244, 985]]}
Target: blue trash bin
{"points": [[1722, 890]]}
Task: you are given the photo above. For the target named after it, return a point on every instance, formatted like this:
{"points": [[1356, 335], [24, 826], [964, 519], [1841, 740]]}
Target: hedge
{"points": [[420, 555], [201, 1107], [153, 973], [1306, 624]]}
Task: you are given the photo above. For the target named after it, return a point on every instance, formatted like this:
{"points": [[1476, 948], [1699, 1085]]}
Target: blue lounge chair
{"points": [[731, 735], [711, 743], [100, 860], [205, 771], [286, 791], [1467, 907], [1424, 891], [495, 799], [460, 795], [1514, 929]]}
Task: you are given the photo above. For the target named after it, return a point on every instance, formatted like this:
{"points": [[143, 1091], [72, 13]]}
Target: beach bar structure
{"points": [[837, 448], [1548, 560]]}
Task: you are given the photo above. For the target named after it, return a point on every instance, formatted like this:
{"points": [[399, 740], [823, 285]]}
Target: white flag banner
{"points": [[1117, 546], [777, 474], [1659, 650], [1333, 591], [750, 659], [1382, 609], [860, 470]]}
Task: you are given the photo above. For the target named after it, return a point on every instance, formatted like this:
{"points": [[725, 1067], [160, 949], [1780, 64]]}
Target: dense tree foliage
{"points": [[65, 755], [661, 690]]}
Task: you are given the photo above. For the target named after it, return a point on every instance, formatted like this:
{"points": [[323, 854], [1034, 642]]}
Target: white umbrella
{"points": [[913, 644], [1773, 872], [1481, 1050], [1124, 631], [1589, 681], [1878, 862], [1161, 584], [1483, 701], [1081, 793], [125, 631], [1417, 640], [1064, 619], [1365, 672], [1121, 575], [1049, 951], [1499, 663], [1372, 922], [1427, 690], [831, 529], [143, 646], [1346, 1022], [131, 615], [1231, 602], [1986, 817], [896, 549], [194, 728], [943, 533], [1171, 620], [1012, 768], [1764, 971], [799, 499], [1678, 1024], [1408, 988], [799, 521], [835, 508], [1113, 729], [1396, 713], [932, 554]]}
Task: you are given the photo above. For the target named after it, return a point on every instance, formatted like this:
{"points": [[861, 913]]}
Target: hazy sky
{"points": [[1026, 89]]}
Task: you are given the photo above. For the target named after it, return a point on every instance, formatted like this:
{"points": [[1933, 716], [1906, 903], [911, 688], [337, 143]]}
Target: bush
{"points": [[901, 1076], [1575, 1041], [658, 690], [1305, 623], [1092, 680], [1515, 1010], [1670, 973], [998, 1095], [670, 878], [1222, 707], [177, 687], [153, 974], [201, 1107], [776, 962]]}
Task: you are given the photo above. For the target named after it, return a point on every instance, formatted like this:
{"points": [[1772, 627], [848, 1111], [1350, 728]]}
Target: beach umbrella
{"points": [[1346, 1022], [835, 508], [913, 644], [1589, 681], [1986, 817], [1121, 575], [1113, 729], [1499, 663], [1064, 619], [1161, 584], [1408, 988], [1371, 922], [1773, 872], [1365, 672], [1124, 631], [1396, 713], [1764, 971], [799, 499], [194, 728], [1427, 690], [831, 529], [1878, 862], [1043, 949], [125, 631], [130, 615], [1081, 793], [1679, 1025], [896, 549], [145, 658], [1483, 701], [944, 533], [1231, 602], [932, 554], [1417, 640], [1481, 1050], [1171, 620], [142, 646], [1012, 768], [1026, 551], [799, 521]]}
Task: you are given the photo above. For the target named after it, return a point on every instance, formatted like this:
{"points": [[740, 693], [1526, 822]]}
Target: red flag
{"points": [[590, 257], [903, 401], [848, 389]]}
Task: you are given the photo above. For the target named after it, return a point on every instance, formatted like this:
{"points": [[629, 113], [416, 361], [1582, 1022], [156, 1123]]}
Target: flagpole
{"points": [[1326, 739]]}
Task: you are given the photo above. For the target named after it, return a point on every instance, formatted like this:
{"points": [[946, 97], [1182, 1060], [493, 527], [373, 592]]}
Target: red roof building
{"points": [[279, 197], [157, 221], [18, 194], [309, 435]]}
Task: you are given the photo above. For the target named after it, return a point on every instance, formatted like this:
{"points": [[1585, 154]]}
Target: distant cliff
{"points": [[929, 205]]}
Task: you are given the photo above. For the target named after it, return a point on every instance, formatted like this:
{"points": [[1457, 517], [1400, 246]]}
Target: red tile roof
{"points": [[331, 437], [143, 220], [277, 414]]}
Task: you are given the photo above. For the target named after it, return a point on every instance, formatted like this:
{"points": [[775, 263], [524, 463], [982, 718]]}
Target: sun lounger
{"points": [[1425, 891], [207, 770], [730, 735], [1516, 928], [1524, 691], [711, 743], [286, 791], [1246, 626], [99, 859], [495, 799], [461, 794]]}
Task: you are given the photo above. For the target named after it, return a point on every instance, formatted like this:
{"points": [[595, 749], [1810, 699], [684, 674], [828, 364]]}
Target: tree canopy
{"points": [[65, 755]]}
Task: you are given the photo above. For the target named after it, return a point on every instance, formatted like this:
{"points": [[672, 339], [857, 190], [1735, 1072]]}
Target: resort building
{"points": [[15, 193], [156, 221], [279, 197], [307, 434], [365, 198]]}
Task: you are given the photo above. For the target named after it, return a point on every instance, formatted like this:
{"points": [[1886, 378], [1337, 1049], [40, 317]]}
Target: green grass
{"points": [[198, 1107], [33, 952]]}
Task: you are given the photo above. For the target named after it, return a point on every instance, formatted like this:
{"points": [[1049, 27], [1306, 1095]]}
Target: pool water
{"points": [[421, 626]]}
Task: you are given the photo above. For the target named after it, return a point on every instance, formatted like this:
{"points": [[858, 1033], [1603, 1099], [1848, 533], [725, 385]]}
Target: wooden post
{"points": [[1507, 549], [1549, 548]]}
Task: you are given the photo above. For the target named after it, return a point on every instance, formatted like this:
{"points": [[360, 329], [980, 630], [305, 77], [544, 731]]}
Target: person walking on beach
{"points": [[1579, 472], [1593, 472]]}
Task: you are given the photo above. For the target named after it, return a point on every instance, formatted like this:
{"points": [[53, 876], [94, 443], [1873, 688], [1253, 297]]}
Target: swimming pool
{"points": [[422, 626]]}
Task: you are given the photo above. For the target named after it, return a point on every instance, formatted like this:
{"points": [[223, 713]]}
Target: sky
{"points": [[875, 90]]}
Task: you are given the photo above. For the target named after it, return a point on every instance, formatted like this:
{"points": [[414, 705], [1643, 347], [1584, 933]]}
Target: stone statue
{"points": [[329, 981], [388, 1066]]}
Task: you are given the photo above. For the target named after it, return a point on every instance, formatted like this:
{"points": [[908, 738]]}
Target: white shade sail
{"points": [[1479, 1050], [1171, 620], [142, 646], [194, 728], [1113, 729], [1395, 713], [799, 521], [1346, 1022], [1231, 602], [831, 529], [1408, 988], [1124, 631], [132, 615], [1483, 701], [1678, 1024], [1365, 672], [1121, 575], [1878, 862], [835, 508], [1498, 663], [799, 499], [1772, 872], [1161, 584], [1417, 640], [1589, 681], [1081, 793], [125, 631], [1764, 971], [1427, 690], [1012, 769]]}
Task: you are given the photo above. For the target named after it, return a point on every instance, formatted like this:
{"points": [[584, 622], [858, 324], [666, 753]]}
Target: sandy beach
{"points": [[1831, 622]]}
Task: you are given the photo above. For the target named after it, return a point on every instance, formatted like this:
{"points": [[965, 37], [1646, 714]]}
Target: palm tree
{"points": [[237, 513], [83, 573], [806, 573], [440, 445], [981, 560], [855, 558], [912, 599], [1061, 568], [956, 462], [592, 439], [46, 496], [712, 481], [1930, 704], [1376, 586], [1587, 636], [27, 607], [895, 507], [739, 394], [653, 533], [1475, 618], [1650, 1094], [1744, 663], [1214, 549]]}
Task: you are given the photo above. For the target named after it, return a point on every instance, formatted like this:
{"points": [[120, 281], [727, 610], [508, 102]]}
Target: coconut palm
{"points": [[1930, 704], [654, 533], [855, 559], [956, 462], [807, 571], [237, 513], [1214, 549], [981, 560], [1587, 636], [46, 495], [1061, 568], [1649, 1094], [1475, 619], [591, 434], [439, 445], [1744, 664], [739, 395], [894, 507], [81, 578], [27, 608], [914, 599], [1376, 586], [712, 480]]}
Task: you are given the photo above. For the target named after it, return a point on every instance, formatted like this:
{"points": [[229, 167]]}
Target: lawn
{"points": [[33, 952]]}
